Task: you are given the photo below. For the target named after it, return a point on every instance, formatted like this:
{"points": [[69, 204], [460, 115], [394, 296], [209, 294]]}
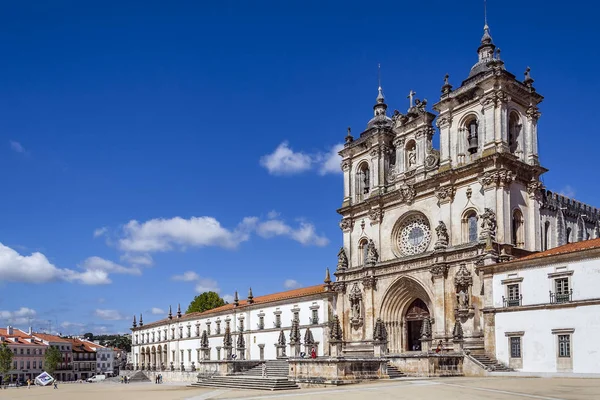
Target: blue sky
{"points": [[151, 150]]}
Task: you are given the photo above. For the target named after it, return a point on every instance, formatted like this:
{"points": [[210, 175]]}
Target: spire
{"points": [[236, 300], [141, 321], [349, 137], [178, 310], [170, 316], [380, 97], [327, 280], [379, 109], [250, 297], [134, 322]]}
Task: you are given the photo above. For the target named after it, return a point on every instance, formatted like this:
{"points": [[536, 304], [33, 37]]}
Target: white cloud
{"points": [[291, 284], [100, 231], [330, 162], [157, 311], [284, 161], [304, 234], [91, 277], [568, 191], [72, 325], [18, 147], [228, 298], [162, 234], [188, 276], [207, 285], [109, 315], [100, 264], [273, 214], [20, 317], [137, 259]]}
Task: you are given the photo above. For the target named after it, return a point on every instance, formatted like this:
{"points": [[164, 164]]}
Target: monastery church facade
{"points": [[436, 244]]}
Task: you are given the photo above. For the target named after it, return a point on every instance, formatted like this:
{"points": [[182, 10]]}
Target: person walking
{"points": [[28, 384], [55, 384], [264, 370]]}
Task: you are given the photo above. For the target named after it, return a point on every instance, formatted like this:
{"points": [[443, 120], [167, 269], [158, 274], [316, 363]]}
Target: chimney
{"points": [[9, 330], [30, 331]]}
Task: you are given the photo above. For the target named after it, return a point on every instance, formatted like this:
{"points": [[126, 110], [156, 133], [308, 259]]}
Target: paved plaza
{"points": [[422, 389]]}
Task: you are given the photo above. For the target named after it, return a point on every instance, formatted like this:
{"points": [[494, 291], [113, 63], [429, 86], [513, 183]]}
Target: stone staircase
{"points": [[358, 350], [275, 369], [394, 372], [277, 378], [491, 364]]}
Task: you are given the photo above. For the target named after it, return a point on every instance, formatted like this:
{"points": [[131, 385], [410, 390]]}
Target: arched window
{"points": [[363, 183], [568, 235], [514, 133], [362, 251], [518, 236], [469, 223], [411, 155], [546, 235], [472, 135]]}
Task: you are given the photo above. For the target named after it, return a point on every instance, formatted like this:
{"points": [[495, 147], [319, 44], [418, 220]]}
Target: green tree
{"points": [[6, 359], [205, 301], [52, 359], [88, 336]]}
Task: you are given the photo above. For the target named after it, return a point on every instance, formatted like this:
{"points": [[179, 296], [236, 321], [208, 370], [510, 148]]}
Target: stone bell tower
{"points": [[488, 126]]}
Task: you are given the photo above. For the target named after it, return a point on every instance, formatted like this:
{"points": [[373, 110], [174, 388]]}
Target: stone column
{"points": [[439, 272], [531, 137], [486, 131], [444, 123], [375, 181], [347, 170], [503, 214], [369, 284], [400, 163], [533, 224]]}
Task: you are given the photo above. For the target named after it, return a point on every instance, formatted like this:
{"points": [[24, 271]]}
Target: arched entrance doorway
{"points": [[405, 305], [415, 314]]}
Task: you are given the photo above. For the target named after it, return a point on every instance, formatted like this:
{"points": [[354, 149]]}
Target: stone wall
{"points": [[203, 369], [429, 364], [336, 371]]}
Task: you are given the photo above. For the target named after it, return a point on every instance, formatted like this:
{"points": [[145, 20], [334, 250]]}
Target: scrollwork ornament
{"points": [[375, 152], [346, 164], [339, 287], [376, 216], [488, 179], [346, 224], [439, 270], [443, 122], [445, 193], [534, 187], [369, 282]]}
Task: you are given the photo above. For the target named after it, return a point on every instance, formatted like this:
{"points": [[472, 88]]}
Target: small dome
{"points": [[380, 121]]}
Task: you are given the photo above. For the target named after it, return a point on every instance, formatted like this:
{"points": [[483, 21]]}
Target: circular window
{"points": [[414, 235]]}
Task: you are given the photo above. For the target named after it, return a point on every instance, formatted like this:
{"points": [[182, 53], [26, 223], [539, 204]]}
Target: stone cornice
{"points": [[543, 306], [590, 254]]}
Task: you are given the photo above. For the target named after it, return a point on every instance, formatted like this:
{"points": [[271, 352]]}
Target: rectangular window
{"points": [[180, 332], [189, 355], [14, 365], [172, 333], [28, 365], [218, 327], [28, 351], [564, 345], [22, 365], [208, 328], [278, 321], [297, 315], [515, 347], [562, 290], [197, 330], [21, 351], [189, 331], [218, 353], [315, 317], [181, 359], [35, 365], [261, 322]]}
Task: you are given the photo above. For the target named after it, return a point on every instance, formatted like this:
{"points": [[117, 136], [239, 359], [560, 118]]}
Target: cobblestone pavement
{"points": [[421, 389]]}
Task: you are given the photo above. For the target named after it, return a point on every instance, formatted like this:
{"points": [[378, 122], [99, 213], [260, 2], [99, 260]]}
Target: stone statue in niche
{"points": [[412, 158], [463, 280], [355, 305]]}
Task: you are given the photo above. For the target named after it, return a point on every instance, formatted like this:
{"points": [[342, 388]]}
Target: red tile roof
{"points": [[51, 338], [269, 298], [566, 249]]}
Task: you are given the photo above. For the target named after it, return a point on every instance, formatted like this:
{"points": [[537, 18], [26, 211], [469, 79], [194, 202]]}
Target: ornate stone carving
{"points": [[534, 187], [463, 281], [281, 340], [227, 341], [407, 194], [355, 297], [426, 331], [241, 343], [379, 332], [308, 337], [376, 215], [502, 97], [440, 269], [346, 164], [369, 282], [488, 179], [339, 287], [295, 332], [533, 112], [375, 152], [342, 260], [335, 332], [488, 225], [204, 340], [442, 236], [443, 122], [457, 332], [346, 224], [505, 177], [445, 193], [372, 254]]}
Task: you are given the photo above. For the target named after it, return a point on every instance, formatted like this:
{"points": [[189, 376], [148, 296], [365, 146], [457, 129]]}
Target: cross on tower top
{"points": [[410, 96]]}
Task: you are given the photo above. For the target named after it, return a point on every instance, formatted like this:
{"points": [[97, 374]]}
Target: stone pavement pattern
{"points": [[422, 389]]}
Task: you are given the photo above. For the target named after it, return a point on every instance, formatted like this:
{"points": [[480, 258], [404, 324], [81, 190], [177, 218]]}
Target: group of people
{"points": [[124, 379], [158, 379]]}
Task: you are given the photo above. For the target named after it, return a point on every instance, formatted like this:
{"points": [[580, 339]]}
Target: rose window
{"points": [[414, 235]]}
